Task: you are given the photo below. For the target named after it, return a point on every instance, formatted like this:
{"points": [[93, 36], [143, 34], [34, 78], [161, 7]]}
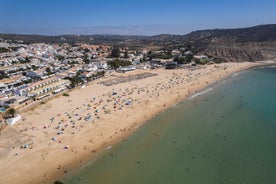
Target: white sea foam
{"points": [[235, 74], [201, 93]]}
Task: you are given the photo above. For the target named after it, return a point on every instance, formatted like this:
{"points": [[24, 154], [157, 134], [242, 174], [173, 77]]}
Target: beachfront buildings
{"points": [[8, 85], [34, 71], [44, 87]]}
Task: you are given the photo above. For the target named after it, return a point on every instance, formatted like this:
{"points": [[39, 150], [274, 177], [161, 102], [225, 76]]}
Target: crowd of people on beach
{"points": [[82, 121], [93, 109], [129, 78]]}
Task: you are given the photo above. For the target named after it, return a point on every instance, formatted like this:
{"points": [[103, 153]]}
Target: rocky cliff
{"points": [[241, 52], [245, 44]]}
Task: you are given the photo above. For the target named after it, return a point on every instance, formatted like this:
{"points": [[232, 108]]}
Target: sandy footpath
{"points": [[63, 133]]}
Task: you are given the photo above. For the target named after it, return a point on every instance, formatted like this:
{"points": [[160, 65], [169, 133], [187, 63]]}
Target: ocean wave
{"points": [[201, 93], [235, 74]]}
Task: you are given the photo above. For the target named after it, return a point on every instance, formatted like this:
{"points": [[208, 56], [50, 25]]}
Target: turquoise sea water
{"points": [[2, 109], [224, 135]]}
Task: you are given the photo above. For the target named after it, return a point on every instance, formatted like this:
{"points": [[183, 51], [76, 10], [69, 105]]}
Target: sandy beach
{"points": [[61, 135]]}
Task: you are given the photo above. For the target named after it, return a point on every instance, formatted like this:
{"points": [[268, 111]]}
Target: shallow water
{"points": [[224, 135]]}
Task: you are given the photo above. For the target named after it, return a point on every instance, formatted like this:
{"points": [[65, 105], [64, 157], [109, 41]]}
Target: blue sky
{"points": [[140, 17]]}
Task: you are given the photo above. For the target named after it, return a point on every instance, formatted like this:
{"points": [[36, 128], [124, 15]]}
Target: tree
{"points": [[203, 61], [10, 113], [74, 80], [60, 57], [115, 52], [126, 54], [79, 72], [26, 60], [144, 57], [85, 58], [2, 49], [48, 70], [188, 58], [116, 63], [86, 50], [34, 67], [176, 58], [3, 76]]}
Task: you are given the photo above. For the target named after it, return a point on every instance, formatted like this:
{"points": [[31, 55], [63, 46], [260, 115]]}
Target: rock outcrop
{"points": [[242, 52], [244, 44]]}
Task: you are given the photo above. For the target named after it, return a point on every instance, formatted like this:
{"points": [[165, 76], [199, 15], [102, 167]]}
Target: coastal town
{"points": [[67, 102], [137, 92], [63, 104], [37, 72]]}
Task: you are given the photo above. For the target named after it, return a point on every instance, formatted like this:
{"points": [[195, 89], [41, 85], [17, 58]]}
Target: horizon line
{"points": [[106, 32]]}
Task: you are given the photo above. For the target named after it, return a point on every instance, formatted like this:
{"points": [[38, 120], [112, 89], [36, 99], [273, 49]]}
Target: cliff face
{"points": [[242, 52], [245, 44]]}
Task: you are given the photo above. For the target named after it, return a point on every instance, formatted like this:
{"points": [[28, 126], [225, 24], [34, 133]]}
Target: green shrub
{"points": [[65, 94]]}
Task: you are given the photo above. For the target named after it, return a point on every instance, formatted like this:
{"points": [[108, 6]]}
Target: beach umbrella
{"points": [[66, 147], [128, 102]]}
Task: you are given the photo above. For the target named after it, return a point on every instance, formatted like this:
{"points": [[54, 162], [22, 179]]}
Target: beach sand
{"points": [[61, 135]]}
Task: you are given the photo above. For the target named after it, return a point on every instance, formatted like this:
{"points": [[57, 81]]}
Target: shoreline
{"points": [[91, 141]]}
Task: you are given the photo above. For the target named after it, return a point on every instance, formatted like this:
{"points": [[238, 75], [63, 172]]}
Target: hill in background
{"points": [[243, 44]]}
